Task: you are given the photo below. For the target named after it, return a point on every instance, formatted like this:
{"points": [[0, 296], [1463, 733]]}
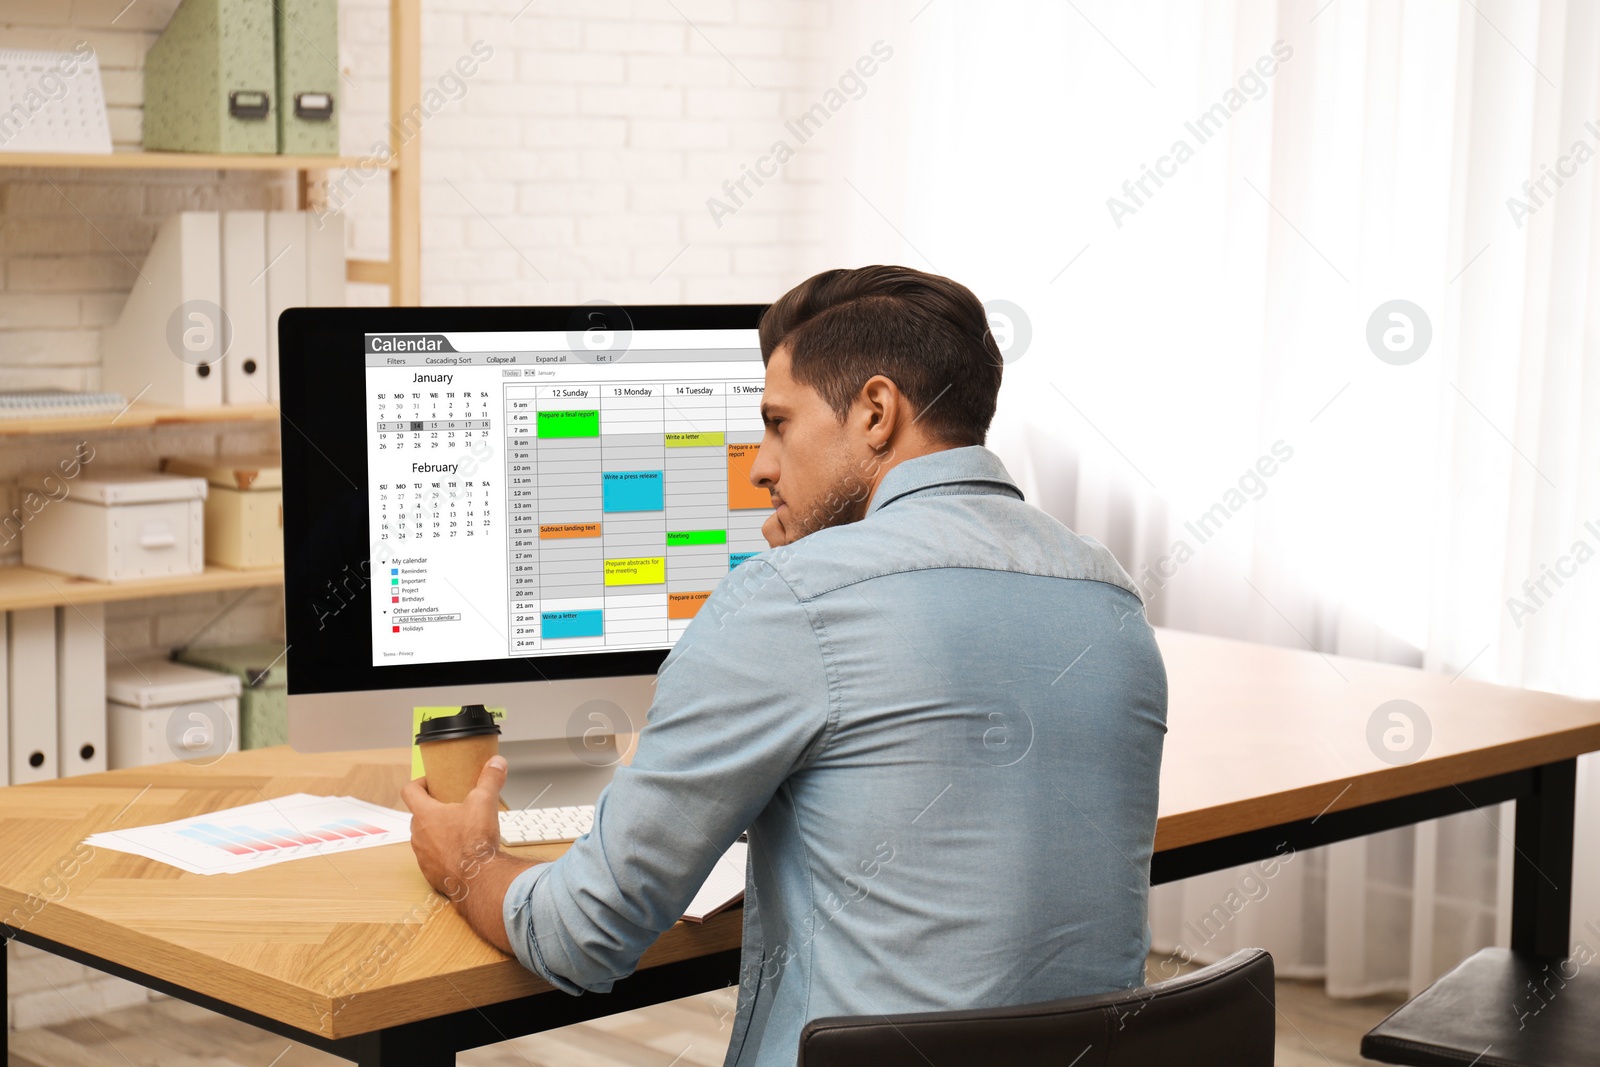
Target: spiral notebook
{"points": [[52, 102]]}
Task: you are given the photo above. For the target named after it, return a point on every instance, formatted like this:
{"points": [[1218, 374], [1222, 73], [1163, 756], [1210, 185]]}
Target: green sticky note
{"points": [[420, 715]]}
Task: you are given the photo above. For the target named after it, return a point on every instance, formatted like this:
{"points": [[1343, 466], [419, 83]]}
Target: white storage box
{"points": [[115, 525], [244, 508], [158, 711]]}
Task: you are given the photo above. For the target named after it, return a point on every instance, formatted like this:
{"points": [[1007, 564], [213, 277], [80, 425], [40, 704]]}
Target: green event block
{"points": [[210, 51], [694, 440], [679, 538], [308, 76], [569, 424]]}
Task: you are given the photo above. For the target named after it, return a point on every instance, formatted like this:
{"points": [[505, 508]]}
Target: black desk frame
{"points": [[434, 1042], [1541, 873], [1541, 908]]}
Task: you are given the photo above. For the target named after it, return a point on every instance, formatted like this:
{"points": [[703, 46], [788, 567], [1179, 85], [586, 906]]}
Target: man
{"points": [[938, 712]]}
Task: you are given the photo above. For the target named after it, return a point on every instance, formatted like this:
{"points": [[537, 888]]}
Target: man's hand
{"points": [[457, 850]]}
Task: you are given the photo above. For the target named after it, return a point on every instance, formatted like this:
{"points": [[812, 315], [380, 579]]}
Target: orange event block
{"points": [[569, 529], [741, 494], [684, 605]]}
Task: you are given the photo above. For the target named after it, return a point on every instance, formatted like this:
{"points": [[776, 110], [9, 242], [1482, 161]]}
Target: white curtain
{"points": [[1199, 208]]}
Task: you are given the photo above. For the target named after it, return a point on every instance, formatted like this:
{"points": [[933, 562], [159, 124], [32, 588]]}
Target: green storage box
{"points": [[210, 80], [308, 76], [263, 699]]}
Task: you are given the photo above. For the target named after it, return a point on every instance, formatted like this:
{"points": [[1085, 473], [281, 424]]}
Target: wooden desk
{"points": [[355, 955], [1267, 746]]}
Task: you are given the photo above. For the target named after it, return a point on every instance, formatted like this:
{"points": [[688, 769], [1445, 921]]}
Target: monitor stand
{"points": [[558, 772]]}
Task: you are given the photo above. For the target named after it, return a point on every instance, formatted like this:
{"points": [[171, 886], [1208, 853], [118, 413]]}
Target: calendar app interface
{"points": [[551, 493]]}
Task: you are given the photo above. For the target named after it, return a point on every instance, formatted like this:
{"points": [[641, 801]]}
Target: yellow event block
{"points": [[700, 439], [636, 571]]}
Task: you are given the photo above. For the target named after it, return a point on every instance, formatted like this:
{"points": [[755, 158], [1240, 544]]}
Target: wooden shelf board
{"points": [[186, 161], [139, 416], [25, 587]]}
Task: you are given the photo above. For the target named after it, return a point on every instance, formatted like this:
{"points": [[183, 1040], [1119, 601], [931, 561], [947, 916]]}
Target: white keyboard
{"points": [[545, 826]]}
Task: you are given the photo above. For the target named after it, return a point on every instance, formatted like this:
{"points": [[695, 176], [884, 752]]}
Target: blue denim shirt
{"points": [[942, 726]]}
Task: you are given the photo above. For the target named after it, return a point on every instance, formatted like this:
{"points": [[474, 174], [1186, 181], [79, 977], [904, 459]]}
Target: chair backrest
{"points": [[1223, 1015]]}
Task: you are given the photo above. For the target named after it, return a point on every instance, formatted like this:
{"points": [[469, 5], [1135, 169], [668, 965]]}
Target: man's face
{"points": [[818, 471]]}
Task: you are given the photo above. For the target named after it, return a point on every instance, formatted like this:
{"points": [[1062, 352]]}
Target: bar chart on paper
{"points": [[258, 835], [243, 839]]}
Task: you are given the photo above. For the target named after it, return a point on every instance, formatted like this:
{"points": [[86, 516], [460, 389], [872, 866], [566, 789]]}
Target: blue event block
{"points": [[736, 558], [630, 491], [571, 623]]}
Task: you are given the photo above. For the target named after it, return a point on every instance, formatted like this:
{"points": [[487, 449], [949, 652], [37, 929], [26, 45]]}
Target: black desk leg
{"points": [[1541, 879], [405, 1047]]}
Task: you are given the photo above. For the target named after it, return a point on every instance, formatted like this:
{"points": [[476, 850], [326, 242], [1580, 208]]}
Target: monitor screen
{"points": [[536, 499], [544, 501]]}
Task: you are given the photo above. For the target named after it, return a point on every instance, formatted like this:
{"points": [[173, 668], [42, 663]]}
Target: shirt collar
{"points": [[973, 466]]}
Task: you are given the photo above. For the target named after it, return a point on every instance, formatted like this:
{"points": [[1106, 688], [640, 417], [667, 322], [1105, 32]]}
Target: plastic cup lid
{"points": [[471, 721]]}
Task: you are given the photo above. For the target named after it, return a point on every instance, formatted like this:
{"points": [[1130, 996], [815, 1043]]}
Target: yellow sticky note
{"points": [[419, 715]]}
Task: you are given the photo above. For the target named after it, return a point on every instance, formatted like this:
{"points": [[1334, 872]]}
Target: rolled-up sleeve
{"points": [[742, 701]]}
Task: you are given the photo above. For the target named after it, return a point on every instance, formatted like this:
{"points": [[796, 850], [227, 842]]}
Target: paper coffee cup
{"points": [[454, 749]]}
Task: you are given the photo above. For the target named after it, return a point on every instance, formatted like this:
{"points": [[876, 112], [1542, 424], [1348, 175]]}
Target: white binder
{"points": [[163, 346], [325, 267], [5, 700], [32, 651], [246, 369], [81, 689], [286, 278]]}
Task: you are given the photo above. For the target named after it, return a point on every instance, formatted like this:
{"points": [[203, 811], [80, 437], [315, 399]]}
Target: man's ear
{"points": [[885, 410]]}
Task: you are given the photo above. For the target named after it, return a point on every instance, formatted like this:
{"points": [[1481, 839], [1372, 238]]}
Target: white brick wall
{"points": [[574, 164], [578, 161]]}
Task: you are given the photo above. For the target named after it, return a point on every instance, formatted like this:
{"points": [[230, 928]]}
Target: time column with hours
{"points": [[522, 519]]}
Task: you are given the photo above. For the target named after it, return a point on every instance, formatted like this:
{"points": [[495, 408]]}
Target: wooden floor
{"points": [[1313, 1031]]}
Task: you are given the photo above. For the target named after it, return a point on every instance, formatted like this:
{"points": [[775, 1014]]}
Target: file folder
{"points": [[5, 699], [286, 278], [31, 648], [172, 320], [210, 80], [307, 34], [247, 368], [81, 689], [325, 264]]}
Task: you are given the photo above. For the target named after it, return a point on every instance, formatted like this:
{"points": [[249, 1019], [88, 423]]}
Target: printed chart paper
{"points": [[258, 835]]}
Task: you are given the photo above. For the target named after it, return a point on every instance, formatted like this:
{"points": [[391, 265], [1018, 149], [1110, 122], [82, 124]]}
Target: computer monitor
{"points": [[515, 507]]}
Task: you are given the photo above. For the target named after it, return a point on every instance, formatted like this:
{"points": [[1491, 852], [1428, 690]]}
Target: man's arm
{"points": [[742, 701], [483, 906], [456, 850]]}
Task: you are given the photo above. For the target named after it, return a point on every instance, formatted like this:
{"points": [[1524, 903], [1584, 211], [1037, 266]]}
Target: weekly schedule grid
{"points": [[540, 499]]}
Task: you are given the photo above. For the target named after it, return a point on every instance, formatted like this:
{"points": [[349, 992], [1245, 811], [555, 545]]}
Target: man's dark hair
{"points": [[927, 334]]}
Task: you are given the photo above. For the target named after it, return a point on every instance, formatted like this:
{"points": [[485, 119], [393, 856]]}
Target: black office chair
{"points": [[1220, 1016], [1497, 1008]]}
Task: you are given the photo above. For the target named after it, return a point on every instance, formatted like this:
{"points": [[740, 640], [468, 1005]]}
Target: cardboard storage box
{"points": [[158, 711], [114, 525], [264, 681], [244, 508]]}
